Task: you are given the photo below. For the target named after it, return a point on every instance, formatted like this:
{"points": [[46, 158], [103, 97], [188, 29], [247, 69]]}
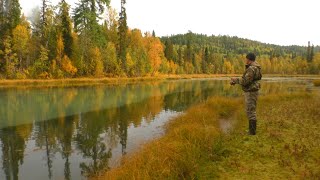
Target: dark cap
{"points": [[251, 56]]}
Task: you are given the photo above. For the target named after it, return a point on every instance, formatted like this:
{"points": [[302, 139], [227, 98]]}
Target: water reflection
{"points": [[68, 133]]}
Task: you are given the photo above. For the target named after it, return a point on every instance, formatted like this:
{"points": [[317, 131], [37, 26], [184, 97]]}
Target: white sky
{"points": [[282, 22]]}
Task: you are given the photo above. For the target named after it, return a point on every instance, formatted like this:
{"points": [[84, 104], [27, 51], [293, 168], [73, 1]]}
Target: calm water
{"points": [[67, 133]]}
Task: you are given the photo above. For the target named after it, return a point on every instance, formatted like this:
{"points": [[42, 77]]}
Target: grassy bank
{"points": [[116, 80], [287, 145], [94, 81]]}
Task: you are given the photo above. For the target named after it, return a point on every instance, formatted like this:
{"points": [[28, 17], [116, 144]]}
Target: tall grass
{"points": [[287, 145], [190, 141]]}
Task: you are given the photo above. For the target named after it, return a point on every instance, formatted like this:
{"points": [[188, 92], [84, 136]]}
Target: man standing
{"points": [[250, 85]]}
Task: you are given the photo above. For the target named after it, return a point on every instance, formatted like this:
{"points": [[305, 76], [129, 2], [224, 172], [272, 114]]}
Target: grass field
{"points": [[287, 144]]}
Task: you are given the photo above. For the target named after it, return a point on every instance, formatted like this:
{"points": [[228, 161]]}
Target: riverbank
{"points": [[118, 80], [286, 146], [97, 81]]}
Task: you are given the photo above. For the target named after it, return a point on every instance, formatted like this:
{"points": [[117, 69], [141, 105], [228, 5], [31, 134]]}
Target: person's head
{"points": [[250, 58]]}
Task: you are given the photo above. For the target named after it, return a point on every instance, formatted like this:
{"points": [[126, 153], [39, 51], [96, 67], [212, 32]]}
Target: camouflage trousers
{"points": [[251, 104]]}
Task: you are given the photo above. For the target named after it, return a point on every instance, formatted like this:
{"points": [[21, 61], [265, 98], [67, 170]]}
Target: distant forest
{"points": [[60, 42]]}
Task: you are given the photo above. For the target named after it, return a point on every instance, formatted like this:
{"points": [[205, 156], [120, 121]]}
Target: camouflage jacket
{"points": [[250, 78]]}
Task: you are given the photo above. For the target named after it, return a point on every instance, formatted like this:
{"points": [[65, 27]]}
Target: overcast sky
{"points": [[281, 22]]}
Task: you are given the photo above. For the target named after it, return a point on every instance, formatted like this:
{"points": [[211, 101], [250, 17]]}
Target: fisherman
{"points": [[250, 85]]}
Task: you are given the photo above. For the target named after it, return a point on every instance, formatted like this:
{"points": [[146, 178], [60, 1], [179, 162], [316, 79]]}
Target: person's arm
{"points": [[246, 79]]}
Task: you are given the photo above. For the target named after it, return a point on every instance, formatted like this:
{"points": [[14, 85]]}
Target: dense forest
{"points": [[93, 40]]}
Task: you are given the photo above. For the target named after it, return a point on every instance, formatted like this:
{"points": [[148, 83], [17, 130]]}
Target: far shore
{"points": [[82, 81]]}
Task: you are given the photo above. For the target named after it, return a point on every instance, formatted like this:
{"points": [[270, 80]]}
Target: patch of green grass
{"points": [[287, 144]]}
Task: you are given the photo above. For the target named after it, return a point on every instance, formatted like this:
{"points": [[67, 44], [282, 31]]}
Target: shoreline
{"points": [[86, 81], [97, 81]]}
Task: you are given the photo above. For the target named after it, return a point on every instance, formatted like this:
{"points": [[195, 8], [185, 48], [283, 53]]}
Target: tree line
{"points": [[198, 53], [95, 41]]}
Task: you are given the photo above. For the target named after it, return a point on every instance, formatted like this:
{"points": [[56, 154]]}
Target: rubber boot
{"points": [[252, 127]]}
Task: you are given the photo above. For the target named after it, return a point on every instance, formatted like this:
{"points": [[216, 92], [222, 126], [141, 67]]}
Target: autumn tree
{"points": [[96, 63], [227, 67], [138, 53], [20, 40], [110, 61], [155, 53], [62, 65], [130, 64], [10, 59], [67, 67]]}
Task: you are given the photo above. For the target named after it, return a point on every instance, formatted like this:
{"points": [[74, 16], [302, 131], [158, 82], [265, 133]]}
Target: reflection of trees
{"points": [[279, 87], [13, 145], [194, 92], [91, 144], [99, 156], [45, 137], [123, 129], [64, 136]]}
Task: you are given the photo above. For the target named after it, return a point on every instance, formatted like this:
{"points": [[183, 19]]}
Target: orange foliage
{"points": [[67, 66], [155, 53]]}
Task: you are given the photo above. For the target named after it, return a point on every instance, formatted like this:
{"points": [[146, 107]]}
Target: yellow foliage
{"points": [[44, 75], [189, 68], [172, 67], [60, 49], [155, 53], [20, 38], [227, 67], [96, 62], [67, 66], [130, 65]]}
